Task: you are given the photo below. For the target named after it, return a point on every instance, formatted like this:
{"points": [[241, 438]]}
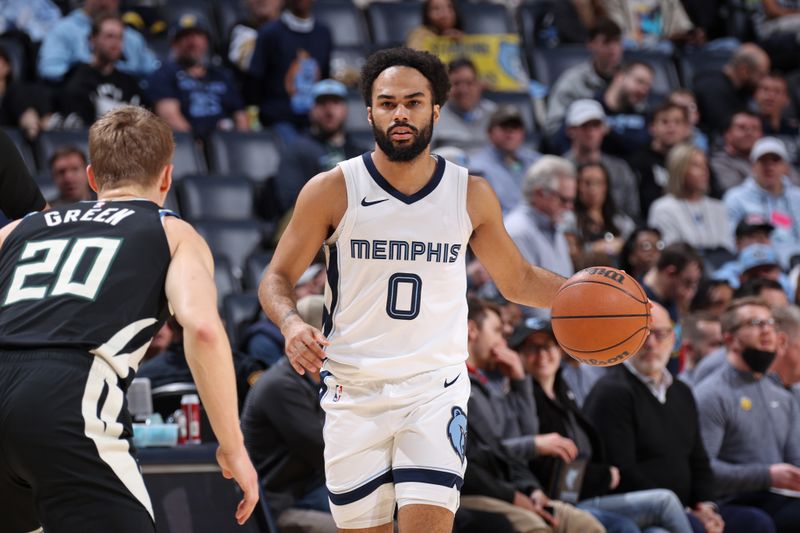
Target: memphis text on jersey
{"points": [[432, 252]]}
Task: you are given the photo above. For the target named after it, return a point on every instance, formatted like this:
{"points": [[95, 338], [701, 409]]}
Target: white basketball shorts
{"points": [[394, 442]]}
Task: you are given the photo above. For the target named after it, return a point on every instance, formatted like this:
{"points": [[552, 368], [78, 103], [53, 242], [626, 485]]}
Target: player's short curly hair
{"points": [[427, 64]]}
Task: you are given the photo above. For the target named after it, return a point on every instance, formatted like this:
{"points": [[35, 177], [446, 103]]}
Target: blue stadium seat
{"points": [[188, 158], [254, 155], [238, 312], [549, 63], [16, 53], [234, 239], [482, 17], [216, 198], [224, 279], [345, 22], [49, 141], [530, 17], [24, 148], [254, 269], [391, 22], [701, 61]]}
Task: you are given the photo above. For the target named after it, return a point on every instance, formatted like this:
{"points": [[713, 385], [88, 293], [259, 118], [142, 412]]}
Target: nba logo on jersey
{"points": [[337, 393]]}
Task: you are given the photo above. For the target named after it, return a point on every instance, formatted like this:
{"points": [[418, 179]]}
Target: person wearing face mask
{"points": [[751, 425]]}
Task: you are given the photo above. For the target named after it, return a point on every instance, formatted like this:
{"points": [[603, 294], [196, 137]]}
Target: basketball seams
{"points": [[623, 341], [622, 289]]}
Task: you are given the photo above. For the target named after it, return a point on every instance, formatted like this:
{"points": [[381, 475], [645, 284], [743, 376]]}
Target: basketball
{"points": [[600, 316]]}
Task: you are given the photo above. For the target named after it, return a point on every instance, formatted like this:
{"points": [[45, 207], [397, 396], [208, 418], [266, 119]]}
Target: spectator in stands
{"points": [[67, 43], [558, 412], [668, 127], [504, 161], [68, 170], [549, 190], [586, 79], [245, 31], [751, 425], [325, 145], [464, 119], [752, 229], [769, 193], [33, 17], [649, 424], [785, 369], [586, 128], [687, 213], [777, 23], [190, 93], [674, 280], [720, 94], [772, 103], [624, 103], [685, 98], [759, 261], [498, 478], [641, 251], [92, 89], [713, 296], [22, 105], [701, 334], [440, 18], [600, 227], [653, 25], [291, 55], [731, 164]]}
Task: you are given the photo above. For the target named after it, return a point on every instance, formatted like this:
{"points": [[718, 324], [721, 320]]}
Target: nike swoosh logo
{"points": [[365, 203], [448, 383]]}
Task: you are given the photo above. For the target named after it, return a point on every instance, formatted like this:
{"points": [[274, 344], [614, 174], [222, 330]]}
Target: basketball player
{"points": [[83, 288], [395, 224]]}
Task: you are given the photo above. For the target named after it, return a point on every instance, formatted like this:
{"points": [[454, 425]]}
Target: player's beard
{"points": [[403, 153]]}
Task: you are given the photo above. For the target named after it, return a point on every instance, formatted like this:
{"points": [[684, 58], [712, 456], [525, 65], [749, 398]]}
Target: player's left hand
{"points": [[236, 464]]}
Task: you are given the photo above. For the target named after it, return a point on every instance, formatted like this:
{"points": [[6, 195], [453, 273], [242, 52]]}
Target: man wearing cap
{"points": [[769, 193], [504, 162], [188, 92], [67, 43], [322, 148], [586, 128], [751, 229]]}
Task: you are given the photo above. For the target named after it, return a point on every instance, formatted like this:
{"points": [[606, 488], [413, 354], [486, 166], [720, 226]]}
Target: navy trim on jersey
{"points": [[405, 198], [362, 491], [333, 283], [167, 213], [427, 475]]}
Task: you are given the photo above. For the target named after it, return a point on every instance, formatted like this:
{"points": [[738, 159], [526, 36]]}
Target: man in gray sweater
{"points": [[751, 425]]}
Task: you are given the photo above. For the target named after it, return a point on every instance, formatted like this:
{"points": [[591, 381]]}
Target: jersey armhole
{"points": [[164, 213], [463, 201], [348, 219]]}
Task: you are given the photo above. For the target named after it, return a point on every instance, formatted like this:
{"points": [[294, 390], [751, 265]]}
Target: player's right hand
{"points": [[304, 346], [237, 465]]}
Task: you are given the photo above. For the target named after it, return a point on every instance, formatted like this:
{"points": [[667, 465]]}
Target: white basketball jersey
{"points": [[395, 299]]}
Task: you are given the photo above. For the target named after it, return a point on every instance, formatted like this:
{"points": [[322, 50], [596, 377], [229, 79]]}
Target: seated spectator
{"points": [[686, 99], [777, 23], [713, 296], [641, 252], [701, 334], [439, 19], [68, 170], [772, 103], [624, 104], [668, 127], [464, 119], [558, 412], [720, 94], [549, 191], [190, 93], [67, 43], [785, 369], [674, 280], [600, 228], [752, 229], [33, 17], [731, 163], [22, 105], [751, 425], [498, 478], [770, 194], [653, 25], [760, 262], [586, 128], [325, 145], [766, 286], [504, 161], [290, 56], [95, 88], [687, 214], [245, 31], [585, 79]]}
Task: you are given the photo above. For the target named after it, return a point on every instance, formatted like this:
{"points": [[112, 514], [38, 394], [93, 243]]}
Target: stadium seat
{"points": [[224, 280], [188, 159], [254, 155], [254, 269], [238, 312], [228, 13], [16, 53], [701, 61], [345, 22], [482, 17], [234, 239], [548, 64], [217, 198], [24, 148], [665, 79], [391, 22], [49, 141], [530, 17], [167, 398]]}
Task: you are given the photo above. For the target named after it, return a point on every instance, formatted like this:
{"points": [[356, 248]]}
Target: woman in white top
{"points": [[686, 213]]}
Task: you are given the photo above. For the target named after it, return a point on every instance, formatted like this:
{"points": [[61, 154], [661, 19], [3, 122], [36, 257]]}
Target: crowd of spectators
{"points": [[670, 149]]}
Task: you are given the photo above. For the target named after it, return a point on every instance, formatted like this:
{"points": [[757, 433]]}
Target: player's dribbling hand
{"points": [[237, 465], [304, 346]]}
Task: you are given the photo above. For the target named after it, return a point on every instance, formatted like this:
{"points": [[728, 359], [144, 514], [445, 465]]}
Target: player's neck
{"points": [[407, 177], [127, 193]]}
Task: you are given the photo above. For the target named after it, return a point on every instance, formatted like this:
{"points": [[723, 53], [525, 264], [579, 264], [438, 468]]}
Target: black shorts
{"points": [[67, 462]]}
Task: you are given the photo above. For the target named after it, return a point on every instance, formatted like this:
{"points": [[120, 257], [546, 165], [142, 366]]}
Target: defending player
{"points": [[83, 289], [395, 225]]}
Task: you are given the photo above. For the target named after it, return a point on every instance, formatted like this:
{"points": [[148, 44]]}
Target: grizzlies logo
{"points": [[457, 432]]}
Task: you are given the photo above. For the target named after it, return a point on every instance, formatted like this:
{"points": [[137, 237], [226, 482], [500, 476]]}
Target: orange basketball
{"points": [[600, 316]]}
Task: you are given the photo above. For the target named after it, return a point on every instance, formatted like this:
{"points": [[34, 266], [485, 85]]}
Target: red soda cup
{"points": [[190, 405]]}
